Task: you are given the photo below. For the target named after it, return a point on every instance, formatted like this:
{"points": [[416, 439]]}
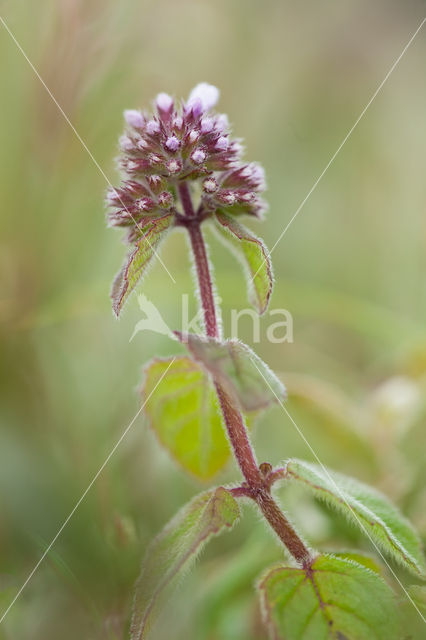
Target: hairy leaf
{"points": [[136, 264], [175, 549], [255, 259], [235, 366], [368, 508], [184, 413], [334, 598]]}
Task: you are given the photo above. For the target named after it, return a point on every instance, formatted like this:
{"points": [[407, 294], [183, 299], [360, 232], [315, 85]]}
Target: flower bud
{"points": [[132, 166], [174, 166], [206, 125], [155, 182], [222, 144], [164, 102], [165, 200], [152, 127], [198, 156], [178, 123], [172, 143], [126, 143], [193, 136], [210, 185], [145, 204], [134, 118]]}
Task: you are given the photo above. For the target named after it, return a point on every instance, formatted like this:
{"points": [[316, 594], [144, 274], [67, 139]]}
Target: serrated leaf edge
{"points": [[393, 541]]}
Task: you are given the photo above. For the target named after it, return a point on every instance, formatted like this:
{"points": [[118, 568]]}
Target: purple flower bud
{"points": [[210, 185], [112, 197], [132, 166], [207, 94], [134, 118], [222, 143], [196, 107], [193, 136], [198, 156], [164, 102], [126, 143], [145, 204], [174, 166], [165, 200], [142, 144], [152, 127], [227, 197], [172, 143], [155, 160], [222, 122], [155, 182], [248, 197], [206, 125], [178, 122]]}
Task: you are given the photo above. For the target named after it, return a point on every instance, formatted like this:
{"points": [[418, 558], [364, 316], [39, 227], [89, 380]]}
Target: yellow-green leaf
{"points": [[367, 508], [137, 262], [254, 257], [184, 413], [175, 549], [334, 599]]}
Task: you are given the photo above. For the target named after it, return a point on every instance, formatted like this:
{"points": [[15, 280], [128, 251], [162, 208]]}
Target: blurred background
{"points": [[351, 270]]}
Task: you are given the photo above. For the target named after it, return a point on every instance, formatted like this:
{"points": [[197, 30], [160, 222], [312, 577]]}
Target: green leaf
{"points": [[254, 257], [136, 264], [368, 508], [363, 559], [175, 549], [235, 366], [334, 598], [417, 593], [184, 413]]}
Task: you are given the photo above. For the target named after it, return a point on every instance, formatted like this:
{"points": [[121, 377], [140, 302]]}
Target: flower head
{"points": [[177, 143]]}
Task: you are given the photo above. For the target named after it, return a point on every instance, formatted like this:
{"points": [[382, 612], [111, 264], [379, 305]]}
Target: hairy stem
{"points": [[258, 486], [204, 279], [185, 198], [282, 527], [240, 442]]}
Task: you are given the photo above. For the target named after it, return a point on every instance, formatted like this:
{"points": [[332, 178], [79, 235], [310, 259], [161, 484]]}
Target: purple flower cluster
{"points": [[178, 143]]}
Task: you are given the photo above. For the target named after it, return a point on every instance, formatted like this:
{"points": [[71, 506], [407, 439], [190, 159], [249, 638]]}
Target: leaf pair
{"points": [[340, 597], [183, 409], [250, 249]]}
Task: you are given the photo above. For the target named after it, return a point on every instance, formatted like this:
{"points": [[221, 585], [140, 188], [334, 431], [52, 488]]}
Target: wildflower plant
{"points": [[181, 168]]}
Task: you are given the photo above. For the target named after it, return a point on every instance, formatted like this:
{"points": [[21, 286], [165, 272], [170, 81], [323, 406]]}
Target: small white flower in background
{"points": [[397, 402]]}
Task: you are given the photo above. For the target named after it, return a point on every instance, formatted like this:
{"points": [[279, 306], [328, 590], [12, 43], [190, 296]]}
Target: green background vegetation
{"points": [[351, 270]]}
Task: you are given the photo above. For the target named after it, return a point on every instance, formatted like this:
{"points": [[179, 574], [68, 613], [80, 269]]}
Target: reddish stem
{"points": [[282, 527], [204, 278], [186, 200], [258, 484], [239, 439]]}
